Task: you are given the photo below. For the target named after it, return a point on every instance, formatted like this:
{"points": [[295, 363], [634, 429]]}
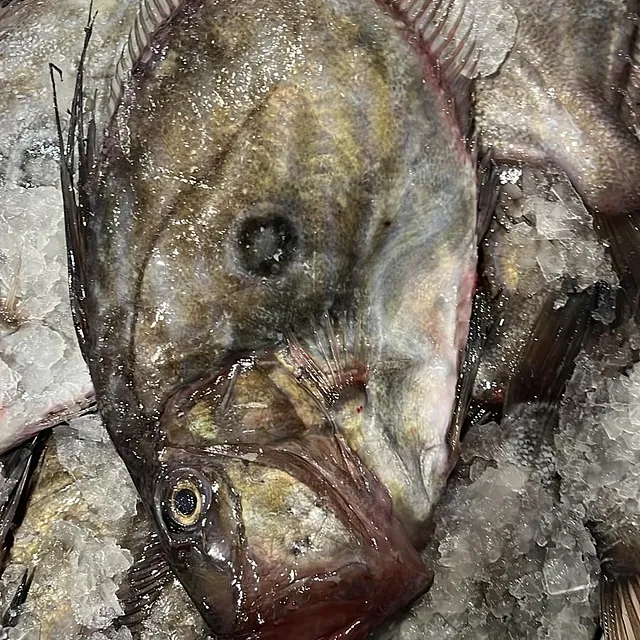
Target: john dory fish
{"points": [[273, 253]]}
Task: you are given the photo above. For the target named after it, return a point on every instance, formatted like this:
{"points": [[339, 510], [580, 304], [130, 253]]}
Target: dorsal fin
{"points": [[435, 28], [151, 15]]}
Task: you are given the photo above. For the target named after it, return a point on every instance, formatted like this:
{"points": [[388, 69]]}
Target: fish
{"points": [[560, 97], [272, 255], [567, 96], [300, 346]]}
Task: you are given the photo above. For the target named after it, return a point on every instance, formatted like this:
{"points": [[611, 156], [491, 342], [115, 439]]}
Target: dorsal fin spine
{"points": [[152, 14], [431, 28], [446, 39]]}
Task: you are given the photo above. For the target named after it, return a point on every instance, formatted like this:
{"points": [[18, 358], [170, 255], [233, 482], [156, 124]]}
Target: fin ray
{"points": [[620, 608], [145, 580], [549, 357], [450, 58], [152, 14]]}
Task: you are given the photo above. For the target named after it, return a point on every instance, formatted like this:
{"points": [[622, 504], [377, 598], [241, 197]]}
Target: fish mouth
{"points": [[373, 577], [325, 606]]}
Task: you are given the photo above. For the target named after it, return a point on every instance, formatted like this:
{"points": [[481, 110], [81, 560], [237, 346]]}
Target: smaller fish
{"points": [[558, 98]]}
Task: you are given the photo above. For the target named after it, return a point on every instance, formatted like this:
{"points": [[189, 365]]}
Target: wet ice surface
{"points": [[541, 246], [510, 561], [41, 369], [599, 440], [81, 510], [512, 554]]}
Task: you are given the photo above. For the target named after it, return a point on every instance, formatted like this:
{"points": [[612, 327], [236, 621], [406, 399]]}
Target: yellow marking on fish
{"points": [[280, 513], [351, 423], [201, 421], [267, 489]]}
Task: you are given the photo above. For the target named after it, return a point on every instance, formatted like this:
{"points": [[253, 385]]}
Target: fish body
{"points": [[273, 254], [561, 97]]}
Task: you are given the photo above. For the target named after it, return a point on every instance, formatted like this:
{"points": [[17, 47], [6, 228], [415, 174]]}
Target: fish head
{"points": [[271, 521]]}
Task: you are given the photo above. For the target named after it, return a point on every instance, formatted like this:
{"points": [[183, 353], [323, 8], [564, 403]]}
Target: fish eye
{"points": [[266, 245], [184, 505]]}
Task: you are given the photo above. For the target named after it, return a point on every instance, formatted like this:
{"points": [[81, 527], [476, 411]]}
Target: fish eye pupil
{"points": [[185, 502], [266, 244]]}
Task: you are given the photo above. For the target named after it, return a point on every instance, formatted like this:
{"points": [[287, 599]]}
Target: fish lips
{"points": [[340, 597]]}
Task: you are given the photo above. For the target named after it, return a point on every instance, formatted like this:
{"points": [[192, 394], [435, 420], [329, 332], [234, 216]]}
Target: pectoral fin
{"points": [[145, 580]]}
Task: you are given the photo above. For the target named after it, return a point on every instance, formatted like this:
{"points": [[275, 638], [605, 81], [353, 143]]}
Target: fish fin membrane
{"points": [[620, 608], [488, 193], [555, 340], [622, 234], [484, 315], [19, 467], [10, 614], [151, 15], [145, 580], [449, 51], [75, 172]]}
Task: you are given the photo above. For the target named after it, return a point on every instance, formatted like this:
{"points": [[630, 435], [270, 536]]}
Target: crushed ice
{"points": [[41, 369]]}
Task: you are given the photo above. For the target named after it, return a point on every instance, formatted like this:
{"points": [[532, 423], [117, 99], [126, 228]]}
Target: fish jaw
{"points": [[252, 586]]}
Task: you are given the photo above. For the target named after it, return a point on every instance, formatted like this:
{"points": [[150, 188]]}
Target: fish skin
{"points": [[557, 98], [305, 131]]}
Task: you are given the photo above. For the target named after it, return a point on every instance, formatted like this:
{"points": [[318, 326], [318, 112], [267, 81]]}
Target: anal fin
{"points": [[620, 608]]}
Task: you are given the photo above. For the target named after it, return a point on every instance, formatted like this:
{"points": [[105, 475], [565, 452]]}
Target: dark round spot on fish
{"points": [[185, 502], [267, 245]]}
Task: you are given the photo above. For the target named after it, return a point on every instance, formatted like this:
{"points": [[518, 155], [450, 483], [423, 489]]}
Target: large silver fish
{"points": [[273, 253]]}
